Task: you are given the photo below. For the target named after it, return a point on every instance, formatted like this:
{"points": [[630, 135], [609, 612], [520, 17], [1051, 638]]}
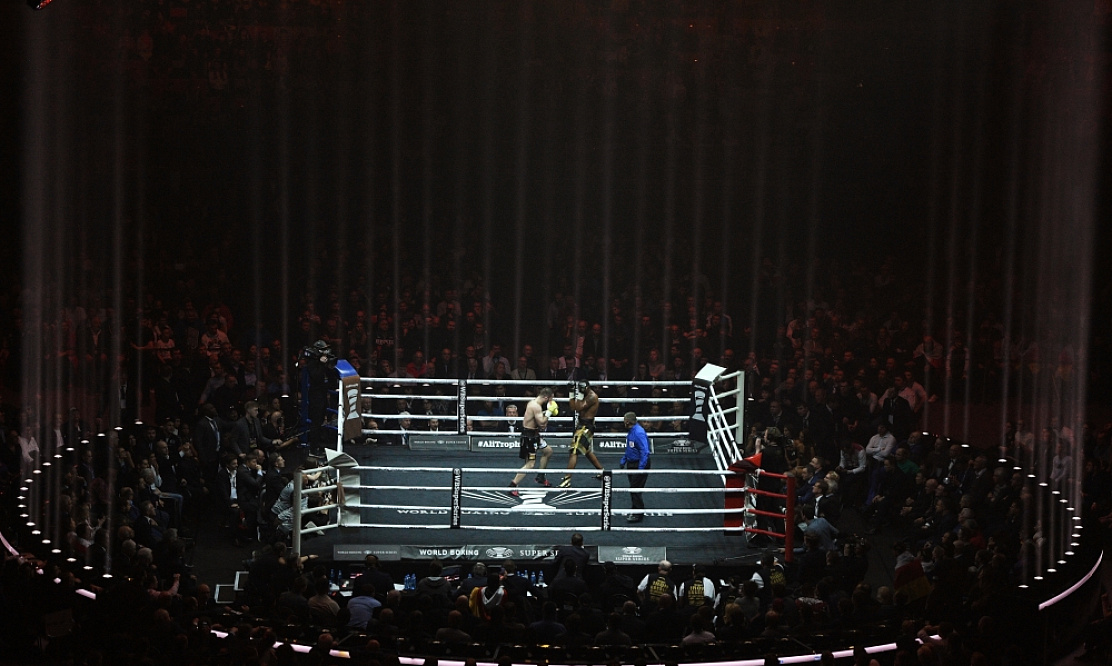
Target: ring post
{"points": [[789, 520], [457, 495], [607, 506]]}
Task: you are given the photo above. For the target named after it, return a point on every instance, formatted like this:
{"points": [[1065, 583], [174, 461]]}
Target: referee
{"points": [[636, 455]]}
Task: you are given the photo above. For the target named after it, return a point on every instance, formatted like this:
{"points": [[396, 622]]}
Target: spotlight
{"points": [[1038, 577], [58, 455], [37, 471], [36, 532], [38, 4], [1069, 552], [57, 551], [1052, 571], [71, 560]]}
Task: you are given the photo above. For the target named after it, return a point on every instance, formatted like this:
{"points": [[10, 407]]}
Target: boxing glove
{"points": [[553, 410]]}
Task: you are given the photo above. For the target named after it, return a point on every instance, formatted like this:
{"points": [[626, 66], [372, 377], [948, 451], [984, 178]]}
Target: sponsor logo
{"points": [[352, 402], [449, 552], [700, 399], [631, 550], [496, 444], [499, 552]]}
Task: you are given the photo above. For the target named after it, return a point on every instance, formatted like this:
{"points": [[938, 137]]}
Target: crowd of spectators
{"points": [[848, 429]]}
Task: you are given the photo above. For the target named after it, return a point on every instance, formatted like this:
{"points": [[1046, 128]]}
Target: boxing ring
{"points": [[396, 489]]}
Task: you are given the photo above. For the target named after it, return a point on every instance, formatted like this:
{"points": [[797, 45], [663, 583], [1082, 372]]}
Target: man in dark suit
{"points": [[247, 433], [249, 485], [896, 412], [228, 492], [574, 552], [818, 430], [207, 436]]}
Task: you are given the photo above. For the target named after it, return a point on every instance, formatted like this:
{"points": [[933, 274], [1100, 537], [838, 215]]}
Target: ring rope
{"points": [[549, 490], [541, 508], [578, 528], [547, 470]]}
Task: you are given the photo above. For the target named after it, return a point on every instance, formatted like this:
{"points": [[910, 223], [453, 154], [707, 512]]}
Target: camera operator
{"points": [[319, 363]]}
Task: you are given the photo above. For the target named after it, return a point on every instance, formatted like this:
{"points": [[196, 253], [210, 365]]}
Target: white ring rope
{"points": [[553, 489], [543, 508], [549, 470], [555, 528]]}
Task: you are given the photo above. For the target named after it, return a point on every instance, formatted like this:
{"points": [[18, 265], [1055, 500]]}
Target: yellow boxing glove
{"points": [[553, 410]]}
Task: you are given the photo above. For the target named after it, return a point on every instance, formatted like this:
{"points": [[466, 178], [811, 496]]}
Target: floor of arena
{"points": [[414, 512]]}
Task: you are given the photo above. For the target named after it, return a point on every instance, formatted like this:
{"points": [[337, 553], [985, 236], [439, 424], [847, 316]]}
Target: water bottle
{"points": [[533, 577], [540, 579]]}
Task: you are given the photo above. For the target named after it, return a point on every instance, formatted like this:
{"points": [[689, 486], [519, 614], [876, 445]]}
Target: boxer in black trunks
{"points": [[584, 401], [533, 422]]}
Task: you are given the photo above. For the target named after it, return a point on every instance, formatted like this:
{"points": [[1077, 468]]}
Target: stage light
{"points": [[38, 4]]}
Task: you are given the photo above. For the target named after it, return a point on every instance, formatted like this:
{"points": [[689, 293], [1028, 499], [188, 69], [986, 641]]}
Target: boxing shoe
{"points": [[513, 491], [566, 482], [540, 478]]}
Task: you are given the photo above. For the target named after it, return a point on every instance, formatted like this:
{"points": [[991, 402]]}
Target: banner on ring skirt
{"points": [[438, 442], [632, 554], [657, 444], [485, 552]]}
